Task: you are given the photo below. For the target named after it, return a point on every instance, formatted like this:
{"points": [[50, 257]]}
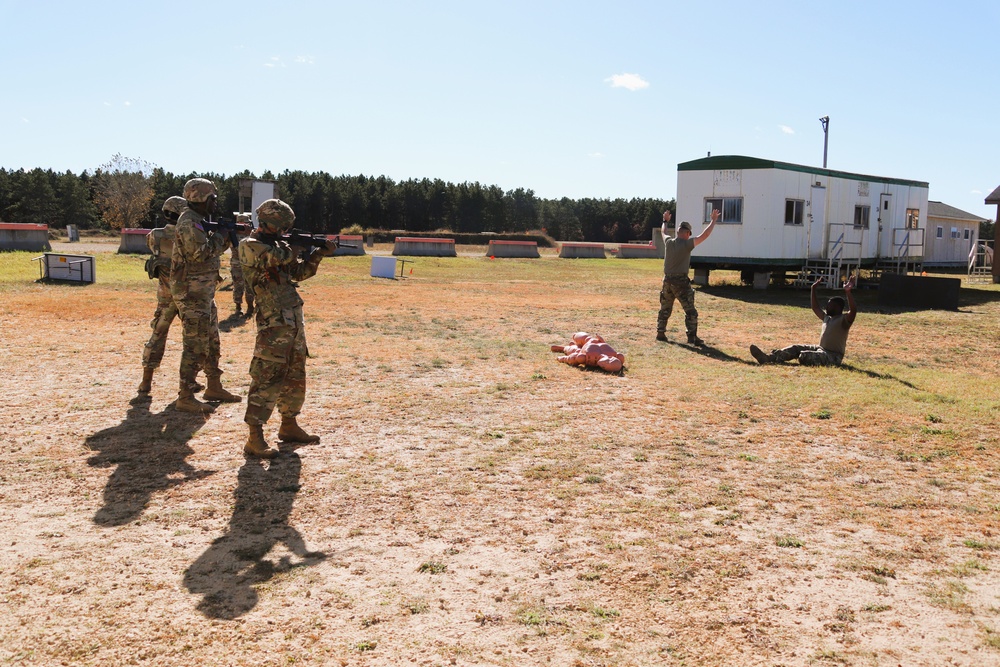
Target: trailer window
{"points": [[912, 218], [793, 211], [966, 237], [940, 233], [731, 209], [861, 216]]}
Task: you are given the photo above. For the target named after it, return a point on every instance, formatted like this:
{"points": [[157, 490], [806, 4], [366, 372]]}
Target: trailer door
{"points": [[817, 223], [883, 247]]}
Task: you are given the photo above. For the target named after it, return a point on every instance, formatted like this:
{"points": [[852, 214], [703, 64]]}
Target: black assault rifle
{"points": [[227, 226], [303, 239]]}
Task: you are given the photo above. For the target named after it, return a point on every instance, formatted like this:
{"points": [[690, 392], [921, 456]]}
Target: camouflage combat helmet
{"points": [[175, 205], [275, 214], [198, 190]]}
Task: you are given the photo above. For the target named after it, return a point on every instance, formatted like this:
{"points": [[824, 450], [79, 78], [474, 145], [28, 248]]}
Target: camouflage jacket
{"points": [[161, 244], [270, 270], [196, 252]]}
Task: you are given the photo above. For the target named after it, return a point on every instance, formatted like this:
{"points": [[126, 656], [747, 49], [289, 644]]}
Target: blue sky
{"points": [[576, 99]]}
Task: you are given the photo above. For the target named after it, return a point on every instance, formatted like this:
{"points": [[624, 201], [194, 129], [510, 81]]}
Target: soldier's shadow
{"points": [[227, 573], [234, 321], [713, 353], [149, 451]]}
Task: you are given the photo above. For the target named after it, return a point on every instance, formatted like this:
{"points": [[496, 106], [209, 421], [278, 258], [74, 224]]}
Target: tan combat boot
{"points": [[257, 445], [215, 392], [290, 431], [186, 402], [147, 381]]}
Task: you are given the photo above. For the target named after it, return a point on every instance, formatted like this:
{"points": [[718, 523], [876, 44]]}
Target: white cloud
{"points": [[275, 62], [127, 103], [972, 192], [786, 129], [596, 155], [631, 82], [25, 120], [107, 104], [305, 60]]}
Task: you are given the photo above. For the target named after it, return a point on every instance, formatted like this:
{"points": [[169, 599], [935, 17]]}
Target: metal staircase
{"points": [[981, 263], [814, 269], [843, 255]]}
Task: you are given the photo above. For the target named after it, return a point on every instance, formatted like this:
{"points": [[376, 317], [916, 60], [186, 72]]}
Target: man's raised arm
{"points": [[708, 230]]}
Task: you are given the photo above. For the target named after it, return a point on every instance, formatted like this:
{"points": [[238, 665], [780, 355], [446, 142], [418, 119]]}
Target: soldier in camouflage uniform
{"points": [[236, 271], [676, 284], [278, 368], [160, 242], [194, 275]]}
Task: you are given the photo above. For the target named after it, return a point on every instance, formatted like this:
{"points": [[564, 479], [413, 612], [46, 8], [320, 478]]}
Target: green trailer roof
{"points": [[743, 162]]}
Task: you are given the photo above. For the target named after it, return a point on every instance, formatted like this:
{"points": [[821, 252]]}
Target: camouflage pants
{"points": [[277, 374], [677, 287], [239, 286], [200, 322], [166, 311], [808, 355]]}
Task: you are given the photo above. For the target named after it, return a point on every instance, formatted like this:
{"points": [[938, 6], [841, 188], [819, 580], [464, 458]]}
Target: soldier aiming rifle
{"points": [[275, 259]]}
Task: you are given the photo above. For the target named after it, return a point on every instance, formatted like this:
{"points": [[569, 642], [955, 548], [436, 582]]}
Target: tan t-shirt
{"points": [[834, 335], [677, 256]]}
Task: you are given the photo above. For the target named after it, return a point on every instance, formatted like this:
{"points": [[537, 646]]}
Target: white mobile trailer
{"points": [[777, 215]]}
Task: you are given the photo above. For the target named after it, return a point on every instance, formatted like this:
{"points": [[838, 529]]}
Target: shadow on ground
{"points": [[232, 322], [878, 376], [707, 350], [227, 573], [149, 451]]}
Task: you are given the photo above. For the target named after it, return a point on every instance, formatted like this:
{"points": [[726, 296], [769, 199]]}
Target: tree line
{"points": [[325, 203]]}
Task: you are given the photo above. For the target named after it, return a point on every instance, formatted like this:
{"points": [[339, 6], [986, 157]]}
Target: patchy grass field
{"points": [[473, 502]]}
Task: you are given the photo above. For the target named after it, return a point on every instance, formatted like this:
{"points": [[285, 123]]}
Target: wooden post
{"points": [[996, 244], [994, 198]]}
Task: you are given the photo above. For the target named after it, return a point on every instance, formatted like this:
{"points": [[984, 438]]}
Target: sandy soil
{"points": [[471, 502]]}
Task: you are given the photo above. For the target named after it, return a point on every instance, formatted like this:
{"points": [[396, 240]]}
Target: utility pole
{"points": [[826, 136]]}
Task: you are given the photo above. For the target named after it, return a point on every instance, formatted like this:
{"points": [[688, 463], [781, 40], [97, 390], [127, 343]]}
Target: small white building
{"points": [[951, 235], [778, 216]]}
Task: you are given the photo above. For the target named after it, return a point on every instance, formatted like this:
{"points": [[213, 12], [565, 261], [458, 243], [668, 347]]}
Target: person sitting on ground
{"points": [[832, 340], [590, 350]]}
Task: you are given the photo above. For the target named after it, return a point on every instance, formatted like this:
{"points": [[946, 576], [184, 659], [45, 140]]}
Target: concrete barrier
{"points": [[22, 236], [424, 247], [356, 240], [512, 249], [638, 251], [134, 241], [581, 250]]}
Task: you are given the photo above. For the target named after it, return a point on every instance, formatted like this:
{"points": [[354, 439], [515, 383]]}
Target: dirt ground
{"points": [[473, 502]]}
